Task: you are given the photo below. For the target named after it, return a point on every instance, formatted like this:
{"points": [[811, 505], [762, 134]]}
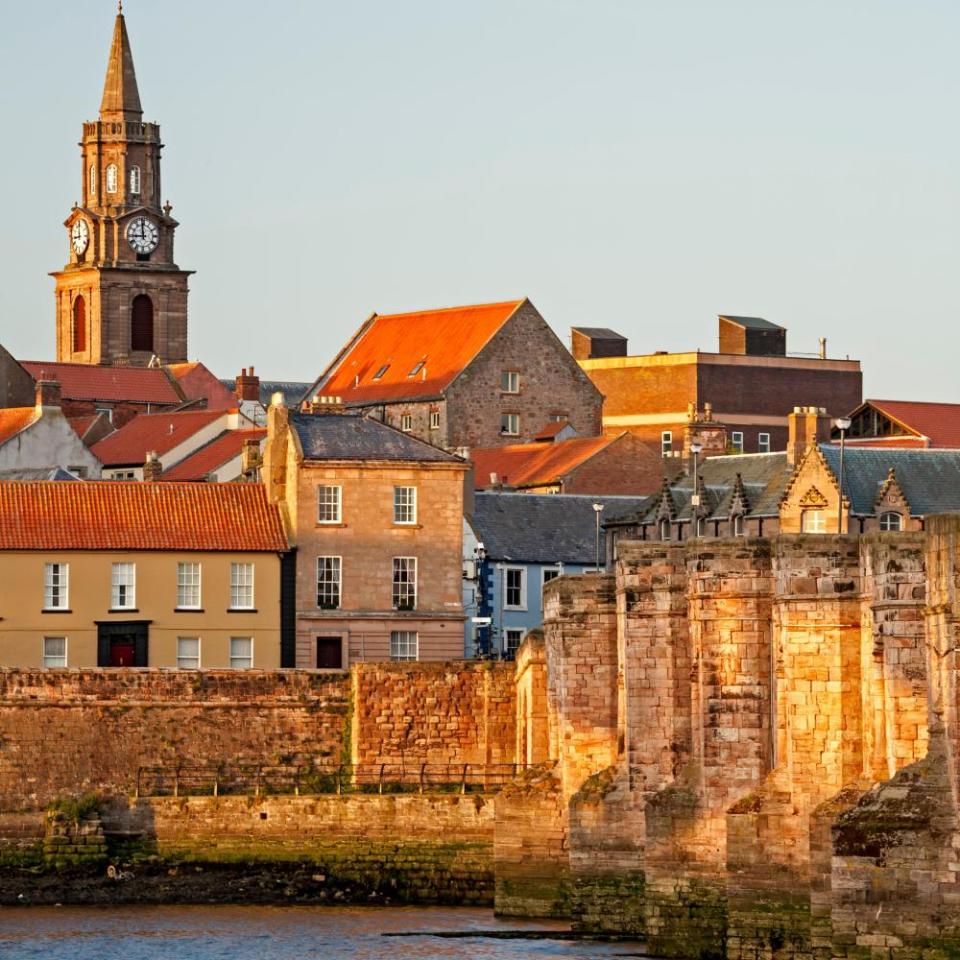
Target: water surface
{"points": [[274, 933]]}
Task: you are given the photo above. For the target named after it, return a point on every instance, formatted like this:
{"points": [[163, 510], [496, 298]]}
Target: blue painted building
{"points": [[514, 543]]}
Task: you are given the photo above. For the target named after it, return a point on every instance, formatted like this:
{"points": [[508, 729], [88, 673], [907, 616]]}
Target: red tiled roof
{"points": [[106, 515], [82, 424], [15, 419], [551, 429], [80, 381], [938, 421], [151, 431], [534, 464], [223, 449], [198, 383], [444, 341]]}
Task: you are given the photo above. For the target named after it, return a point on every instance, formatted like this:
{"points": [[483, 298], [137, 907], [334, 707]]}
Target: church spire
{"points": [[121, 99]]}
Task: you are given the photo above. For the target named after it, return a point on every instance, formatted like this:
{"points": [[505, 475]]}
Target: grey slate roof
{"points": [[347, 436], [38, 473], [600, 333], [930, 479], [292, 390], [544, 528], [752, 323]]}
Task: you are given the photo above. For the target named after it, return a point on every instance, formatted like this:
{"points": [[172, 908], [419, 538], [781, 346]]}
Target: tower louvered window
{"points": [[79, 325], [141, 324]]}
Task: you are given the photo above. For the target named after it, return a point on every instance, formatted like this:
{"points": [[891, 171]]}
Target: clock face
{"points": [[80, 236], [143, 235]]}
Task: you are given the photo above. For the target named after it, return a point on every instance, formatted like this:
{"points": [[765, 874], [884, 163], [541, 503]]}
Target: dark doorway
{"points": [[329, 653], [123, 644]]}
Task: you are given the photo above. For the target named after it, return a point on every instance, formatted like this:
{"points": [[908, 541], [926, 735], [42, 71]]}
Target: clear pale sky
{"points": [[625, 163]]}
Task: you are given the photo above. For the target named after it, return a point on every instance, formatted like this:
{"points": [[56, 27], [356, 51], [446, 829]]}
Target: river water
{"points": [[275, 933]]}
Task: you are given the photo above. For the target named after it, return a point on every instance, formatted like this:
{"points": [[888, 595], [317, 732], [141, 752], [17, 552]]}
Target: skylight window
{"points": [[417, 368], [379, 374]]}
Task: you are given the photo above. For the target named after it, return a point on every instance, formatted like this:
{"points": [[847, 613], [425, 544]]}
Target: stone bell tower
{"points": [[121, 298]]}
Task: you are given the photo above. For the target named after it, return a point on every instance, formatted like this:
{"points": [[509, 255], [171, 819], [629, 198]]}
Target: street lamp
{"points": [[598, 509], [843, 425], [695, 449]]}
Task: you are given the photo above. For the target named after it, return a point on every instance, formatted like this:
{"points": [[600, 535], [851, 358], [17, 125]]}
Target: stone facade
{"points": [[777, 781]]}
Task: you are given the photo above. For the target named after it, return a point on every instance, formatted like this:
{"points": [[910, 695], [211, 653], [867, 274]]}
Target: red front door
{"points": [[121, 654]]}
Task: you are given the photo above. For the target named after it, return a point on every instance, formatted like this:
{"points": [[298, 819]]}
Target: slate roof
{"points": [[752, 323], [37, 473], [293, 391], [600, 333], [161, 432], [416, 354], [544, 528], [218, 452], [930, 479], [534, 464], [106, 515], [346, 436], [81, 381]]}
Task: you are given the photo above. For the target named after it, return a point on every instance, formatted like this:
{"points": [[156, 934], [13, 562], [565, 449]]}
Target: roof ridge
{"points": [[465, 306]]}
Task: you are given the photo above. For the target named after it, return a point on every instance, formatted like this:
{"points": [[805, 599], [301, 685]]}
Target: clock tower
{"points": [[121, 298]]}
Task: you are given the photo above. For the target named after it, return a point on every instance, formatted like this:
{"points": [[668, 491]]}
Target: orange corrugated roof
{"points": [[81, 381], [151, 431], [534, 464], [938, 421], [106, 515], [444, 341], [223, 449], [15, 419]]}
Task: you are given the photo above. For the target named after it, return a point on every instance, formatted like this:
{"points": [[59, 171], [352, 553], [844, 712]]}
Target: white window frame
{"points": [[236, 586], [124, 475], [113, 177], [666, 443], [334, 507], [47, 657], [510, 424], [182, 586], [406, 422], [405, 506], [234, 665], [506, 639], [510, 381], [884, 521], [736, 440], [763, 442], [59, 591], [544, 580], [404, 645], [404, 582], [522, 605], [434, 419], [181, 665], [336, 582], [135, 181], [123, 586], [820, 526]]}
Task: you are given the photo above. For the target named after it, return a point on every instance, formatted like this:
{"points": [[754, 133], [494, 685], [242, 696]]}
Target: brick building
{"points": [[121, 298], [463, 377], [751, 384], [376, 517]]}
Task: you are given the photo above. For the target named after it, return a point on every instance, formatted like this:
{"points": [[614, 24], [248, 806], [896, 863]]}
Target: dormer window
{"points": [[664, 529], [891, 521], [417, 368], [379, 374], [135, 181], [93, 180], [112, 178]]}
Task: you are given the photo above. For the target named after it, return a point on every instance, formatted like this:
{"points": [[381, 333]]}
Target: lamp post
{"points": [[598, 509], [695, 449], [843, 425]]}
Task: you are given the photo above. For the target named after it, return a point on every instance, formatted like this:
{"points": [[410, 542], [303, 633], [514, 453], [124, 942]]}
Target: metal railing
{"points": [[308, 779]]}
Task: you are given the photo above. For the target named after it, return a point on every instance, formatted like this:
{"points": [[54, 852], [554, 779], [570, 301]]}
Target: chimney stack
{"points": [[47, 394], [806, 426], [153, 468], [326, 406], [250, 457], [247, 385]]}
